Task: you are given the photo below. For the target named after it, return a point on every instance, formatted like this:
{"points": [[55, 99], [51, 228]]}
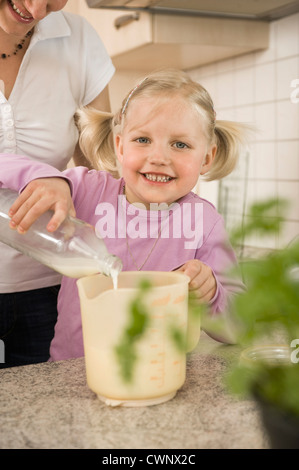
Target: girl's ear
{"points": [[208, 160], [119, 147]]}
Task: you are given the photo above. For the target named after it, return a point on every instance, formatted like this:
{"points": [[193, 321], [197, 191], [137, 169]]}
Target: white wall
{"points": [[256, 88]]}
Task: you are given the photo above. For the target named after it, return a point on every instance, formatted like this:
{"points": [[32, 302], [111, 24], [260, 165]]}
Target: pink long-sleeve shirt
{"points": [[192, 229]]}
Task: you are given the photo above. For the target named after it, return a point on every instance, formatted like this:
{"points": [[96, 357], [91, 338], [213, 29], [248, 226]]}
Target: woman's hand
{"points": [[39, 196], [202, 281]]}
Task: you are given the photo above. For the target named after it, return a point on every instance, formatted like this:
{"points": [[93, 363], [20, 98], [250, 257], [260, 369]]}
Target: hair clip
{"points": [[130, 95]]}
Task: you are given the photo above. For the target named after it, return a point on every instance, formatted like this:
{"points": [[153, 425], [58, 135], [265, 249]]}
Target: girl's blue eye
{"points": [[142, 140], [180, 145]]}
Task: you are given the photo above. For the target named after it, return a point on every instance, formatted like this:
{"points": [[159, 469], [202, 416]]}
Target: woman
{"points": [[51, 62]]}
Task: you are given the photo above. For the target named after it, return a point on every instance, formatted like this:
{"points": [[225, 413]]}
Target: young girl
{"points": [[166, 136]]}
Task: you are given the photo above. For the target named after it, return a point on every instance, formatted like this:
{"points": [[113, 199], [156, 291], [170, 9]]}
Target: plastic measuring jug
{"points": [[160, 369]]}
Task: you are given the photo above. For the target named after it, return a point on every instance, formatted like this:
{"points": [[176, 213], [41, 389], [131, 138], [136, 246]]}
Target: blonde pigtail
{"points": [[230, 137], [96, 139]]}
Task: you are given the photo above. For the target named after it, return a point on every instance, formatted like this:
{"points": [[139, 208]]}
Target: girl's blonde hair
{"points": [[97, 128]]}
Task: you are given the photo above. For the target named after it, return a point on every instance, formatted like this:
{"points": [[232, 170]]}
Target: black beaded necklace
{"points": [[18, 46]]}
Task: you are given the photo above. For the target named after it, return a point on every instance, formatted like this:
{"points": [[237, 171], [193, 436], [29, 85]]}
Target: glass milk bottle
{"points": [[73, 250]]}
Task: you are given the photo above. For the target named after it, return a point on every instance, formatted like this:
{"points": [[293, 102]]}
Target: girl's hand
{"points": [[202, 281], [39, 196]]}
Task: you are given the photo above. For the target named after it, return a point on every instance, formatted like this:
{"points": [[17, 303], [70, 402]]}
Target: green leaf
{"points": [[138, 322], [270, 305]]}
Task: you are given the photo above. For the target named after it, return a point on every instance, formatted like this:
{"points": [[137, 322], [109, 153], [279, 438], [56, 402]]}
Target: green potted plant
{"points": [[268, 314], [266, 311]]}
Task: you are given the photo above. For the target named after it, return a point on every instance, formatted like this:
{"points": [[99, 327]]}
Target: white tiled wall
{"points": [[256, 88]]}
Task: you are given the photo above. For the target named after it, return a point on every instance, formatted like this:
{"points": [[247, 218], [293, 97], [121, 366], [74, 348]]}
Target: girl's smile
{"points": [[157, 178]]}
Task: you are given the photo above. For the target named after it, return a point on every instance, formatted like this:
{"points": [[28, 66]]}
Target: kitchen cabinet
{"points": [[147, 41]]}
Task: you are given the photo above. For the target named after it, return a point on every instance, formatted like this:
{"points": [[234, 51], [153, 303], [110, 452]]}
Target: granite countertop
{"points": [[49, 406]]}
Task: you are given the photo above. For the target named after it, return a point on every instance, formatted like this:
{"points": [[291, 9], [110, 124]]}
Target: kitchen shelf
{"points": [[164, 40]]}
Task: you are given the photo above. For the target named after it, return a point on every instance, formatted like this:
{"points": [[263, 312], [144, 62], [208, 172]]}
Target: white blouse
{"points": [[65, 66]]}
